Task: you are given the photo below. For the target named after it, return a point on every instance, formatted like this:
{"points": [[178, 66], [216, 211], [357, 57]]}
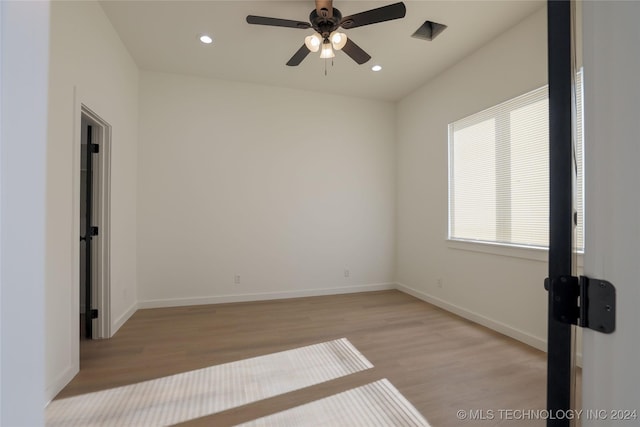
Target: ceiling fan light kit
{"points": [[325, 20], [338, 40], [327, 51], [313, 42]]}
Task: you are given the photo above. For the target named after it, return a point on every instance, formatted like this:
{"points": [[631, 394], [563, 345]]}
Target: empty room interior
{"points": [[294, 219]]}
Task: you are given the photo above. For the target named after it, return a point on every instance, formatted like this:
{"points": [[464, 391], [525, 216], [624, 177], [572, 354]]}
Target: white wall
{"points": [[612, 238], [89, 65], [503, 292], [285, 188], [24, 50]]}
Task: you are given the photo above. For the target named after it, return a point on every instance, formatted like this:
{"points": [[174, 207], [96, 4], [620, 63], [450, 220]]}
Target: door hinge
{"points": [[582, 301], [94, 313], [94, 148], [94, 231]]}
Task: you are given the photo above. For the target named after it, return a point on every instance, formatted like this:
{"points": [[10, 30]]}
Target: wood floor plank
{"points": [[438, 361]]}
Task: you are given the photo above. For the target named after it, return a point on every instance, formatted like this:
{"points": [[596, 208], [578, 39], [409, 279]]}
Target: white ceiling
{"points": [[163, 36]]}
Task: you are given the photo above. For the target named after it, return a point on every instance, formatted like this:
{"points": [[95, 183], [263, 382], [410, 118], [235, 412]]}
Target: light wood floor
{"points": [[438, 361]]}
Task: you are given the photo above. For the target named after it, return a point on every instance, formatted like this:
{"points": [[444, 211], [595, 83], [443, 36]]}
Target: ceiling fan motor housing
{"points": [[325, 25]]}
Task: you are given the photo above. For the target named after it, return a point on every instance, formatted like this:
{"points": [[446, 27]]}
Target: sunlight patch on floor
{"points": [[375, 404], [194, 394]]}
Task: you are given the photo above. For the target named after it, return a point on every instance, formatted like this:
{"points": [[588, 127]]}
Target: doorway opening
{"points": [[94, 230]]}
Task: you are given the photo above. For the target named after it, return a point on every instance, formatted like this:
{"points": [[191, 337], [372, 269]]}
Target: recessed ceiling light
{"points": [[206, 39], [376, 68]]}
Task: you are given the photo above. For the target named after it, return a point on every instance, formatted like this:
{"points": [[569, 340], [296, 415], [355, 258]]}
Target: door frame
{"points": [[561, 336], [612, 236], [101, 283]]}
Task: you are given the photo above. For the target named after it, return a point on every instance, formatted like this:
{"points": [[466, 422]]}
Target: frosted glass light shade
{"points": [[313, 42], [327, 51], [338, 40]]}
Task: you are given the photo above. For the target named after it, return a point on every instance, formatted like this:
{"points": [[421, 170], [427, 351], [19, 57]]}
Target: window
{"points": [[499, 172]]}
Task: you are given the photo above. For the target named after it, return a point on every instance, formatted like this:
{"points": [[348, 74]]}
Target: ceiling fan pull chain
{"points": [[325, 66]]}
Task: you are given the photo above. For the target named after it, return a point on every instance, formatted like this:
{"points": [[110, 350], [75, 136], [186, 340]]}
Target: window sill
{"points": [[513, 251]]}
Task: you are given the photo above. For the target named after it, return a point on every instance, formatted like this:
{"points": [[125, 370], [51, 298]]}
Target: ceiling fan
{"points": [[325, 20]]}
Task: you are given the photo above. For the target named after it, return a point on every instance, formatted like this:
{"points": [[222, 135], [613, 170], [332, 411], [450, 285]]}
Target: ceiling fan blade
{"points": [[373, 16], [355, 52], [277, 22], [297, 57], [326, 5]]}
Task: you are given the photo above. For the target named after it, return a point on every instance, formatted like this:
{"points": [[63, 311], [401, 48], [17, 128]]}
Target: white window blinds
{"points": [[499, 172]]}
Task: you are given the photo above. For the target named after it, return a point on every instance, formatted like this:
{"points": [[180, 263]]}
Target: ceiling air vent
{"points": [[429, 30]]}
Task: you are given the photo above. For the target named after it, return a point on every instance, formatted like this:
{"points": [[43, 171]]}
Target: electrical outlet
{"points": [[236, 279], [439, 283], [346, 273]]}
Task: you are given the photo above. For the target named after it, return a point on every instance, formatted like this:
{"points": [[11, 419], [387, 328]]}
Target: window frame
{"points": [[517, 250]]}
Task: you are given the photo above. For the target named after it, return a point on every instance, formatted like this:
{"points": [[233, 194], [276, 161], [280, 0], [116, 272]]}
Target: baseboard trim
{"points": [[495, 325], [59, 383], [504, 329], [123, 318], [222, 299]]}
